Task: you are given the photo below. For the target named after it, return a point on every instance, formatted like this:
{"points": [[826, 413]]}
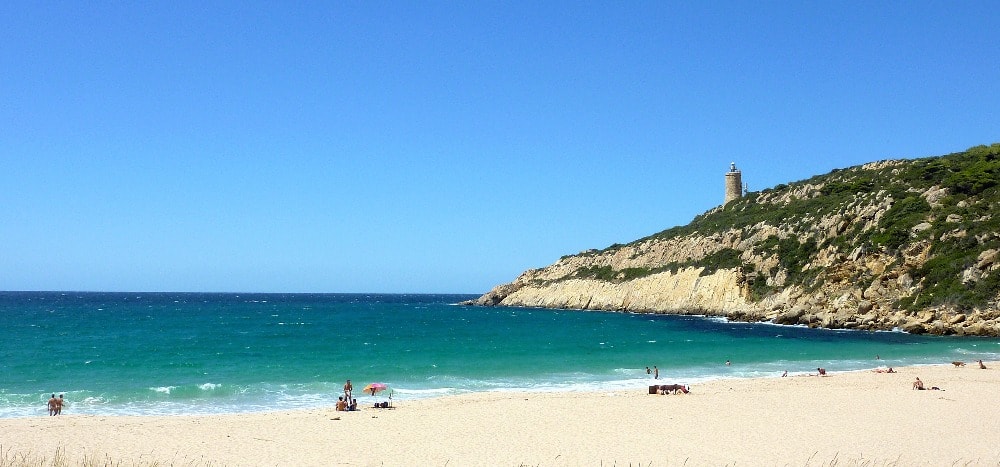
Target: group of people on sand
{"points": [[675, 388], [919, 385], [344, 406], [665, 388], [346, 403], [56, 405]]}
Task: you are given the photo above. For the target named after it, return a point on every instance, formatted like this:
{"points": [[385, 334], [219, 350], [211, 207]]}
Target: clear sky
{"points": [[441, 146]]}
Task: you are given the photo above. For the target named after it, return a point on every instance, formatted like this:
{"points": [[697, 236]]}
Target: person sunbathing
{"points": [[918, 384], [981, 366], [667, 388]]}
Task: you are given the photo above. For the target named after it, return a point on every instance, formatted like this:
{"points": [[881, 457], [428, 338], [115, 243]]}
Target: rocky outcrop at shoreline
{"points": [[843, 250]]}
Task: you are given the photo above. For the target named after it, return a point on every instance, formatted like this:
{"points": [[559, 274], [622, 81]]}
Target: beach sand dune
{"points": [[855, 418]]}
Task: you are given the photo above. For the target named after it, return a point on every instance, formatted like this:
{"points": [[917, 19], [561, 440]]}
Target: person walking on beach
{"points": [[347, 390], [53, 402], [59, 404]]}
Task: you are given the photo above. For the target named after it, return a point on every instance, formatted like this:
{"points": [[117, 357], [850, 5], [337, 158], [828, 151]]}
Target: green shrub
{"points": [[972, 181], [899, 220]]}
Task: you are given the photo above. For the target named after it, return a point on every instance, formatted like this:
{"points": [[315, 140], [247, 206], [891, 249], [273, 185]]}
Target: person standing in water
{"points": [[53, 403]]}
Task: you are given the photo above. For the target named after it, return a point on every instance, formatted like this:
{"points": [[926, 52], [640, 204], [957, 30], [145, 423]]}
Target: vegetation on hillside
{"points": [[957, 223]]}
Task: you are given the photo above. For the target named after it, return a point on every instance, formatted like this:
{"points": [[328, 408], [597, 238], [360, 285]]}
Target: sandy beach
{"points": [[855, 418]]}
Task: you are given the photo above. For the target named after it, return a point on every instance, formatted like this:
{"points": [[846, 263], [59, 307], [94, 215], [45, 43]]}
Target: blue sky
{"points": [[440, 146]]}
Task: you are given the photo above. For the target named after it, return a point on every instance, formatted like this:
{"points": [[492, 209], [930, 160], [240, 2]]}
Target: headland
{"points": [[908, 244]]}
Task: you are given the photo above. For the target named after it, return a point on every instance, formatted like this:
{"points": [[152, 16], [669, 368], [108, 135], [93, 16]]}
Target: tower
{"points": [[734, 183]]}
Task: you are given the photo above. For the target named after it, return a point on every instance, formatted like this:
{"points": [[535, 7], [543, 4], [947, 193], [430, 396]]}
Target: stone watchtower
{"points": [[734, 183]]}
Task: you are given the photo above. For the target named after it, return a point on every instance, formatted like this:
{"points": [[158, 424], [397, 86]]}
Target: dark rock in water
{"points": [[790, 317]]}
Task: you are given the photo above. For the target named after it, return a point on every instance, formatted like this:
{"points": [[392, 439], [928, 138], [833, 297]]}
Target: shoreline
{"points": [[407, 395], [850, 418]]}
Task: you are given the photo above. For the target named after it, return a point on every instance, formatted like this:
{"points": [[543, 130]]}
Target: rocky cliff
{"points": [[895, 244]]}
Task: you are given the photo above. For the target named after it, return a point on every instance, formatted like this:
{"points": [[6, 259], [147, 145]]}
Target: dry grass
{"points": [[9, 458], [59, 459]]}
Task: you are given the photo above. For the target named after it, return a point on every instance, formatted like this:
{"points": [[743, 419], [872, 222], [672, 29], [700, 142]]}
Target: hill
{"points": [[896, 244]]}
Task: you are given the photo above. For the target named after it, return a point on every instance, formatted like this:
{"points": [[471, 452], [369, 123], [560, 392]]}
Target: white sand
{"points": [[859, 418]]}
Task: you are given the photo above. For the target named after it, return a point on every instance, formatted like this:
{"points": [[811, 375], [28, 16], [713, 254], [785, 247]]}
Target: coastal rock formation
{"points": [[896, 244]]}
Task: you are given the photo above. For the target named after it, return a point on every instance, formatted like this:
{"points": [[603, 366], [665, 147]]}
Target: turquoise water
{"points": [[182, 353]]}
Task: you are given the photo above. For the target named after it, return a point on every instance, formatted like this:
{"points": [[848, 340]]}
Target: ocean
{"points": [[200, 353]]}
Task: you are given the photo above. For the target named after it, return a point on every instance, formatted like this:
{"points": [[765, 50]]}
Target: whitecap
{"points": [[424, 392]]}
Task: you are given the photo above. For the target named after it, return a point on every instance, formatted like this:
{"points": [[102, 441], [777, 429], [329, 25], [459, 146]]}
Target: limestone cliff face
{"points": [[889, 245], [681, 292]]}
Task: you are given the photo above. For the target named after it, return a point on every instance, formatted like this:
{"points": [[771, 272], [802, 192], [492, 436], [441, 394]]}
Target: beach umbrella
{"points": [[375, 388]]}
